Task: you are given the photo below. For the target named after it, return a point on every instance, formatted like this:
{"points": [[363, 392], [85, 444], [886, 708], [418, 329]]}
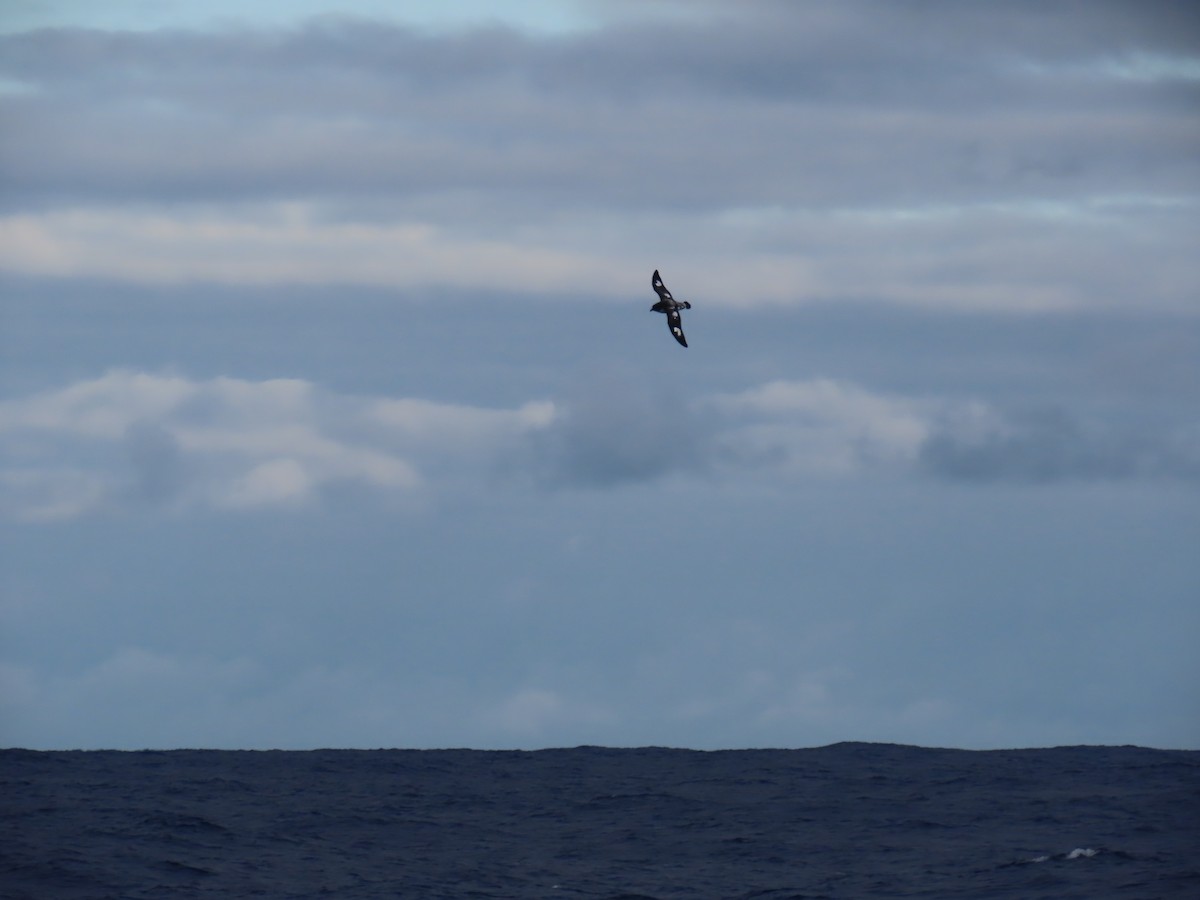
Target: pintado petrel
{"points": [[670, 306]]}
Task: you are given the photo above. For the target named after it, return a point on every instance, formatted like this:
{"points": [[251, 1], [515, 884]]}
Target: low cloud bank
{"points": [[128, 440]]}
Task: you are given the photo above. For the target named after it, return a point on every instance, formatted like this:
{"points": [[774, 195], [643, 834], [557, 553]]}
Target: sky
{"points": [[333, 412]]}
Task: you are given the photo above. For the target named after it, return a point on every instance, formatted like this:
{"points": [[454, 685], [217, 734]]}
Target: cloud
{"points": [[1017, 257], [156, 459], [1051, 444], [282, 243], [130, 436], [355, 109], [46, 493], [818, 426], [961, 159], [131, 439], [154, 697], [616, 427], [277, 481], [530, 715]]}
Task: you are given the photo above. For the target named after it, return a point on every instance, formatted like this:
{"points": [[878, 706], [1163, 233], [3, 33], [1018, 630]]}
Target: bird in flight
{"points": [[670, 306]]}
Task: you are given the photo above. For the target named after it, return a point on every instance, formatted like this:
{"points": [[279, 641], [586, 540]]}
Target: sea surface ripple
{"points": [[850, 820]]}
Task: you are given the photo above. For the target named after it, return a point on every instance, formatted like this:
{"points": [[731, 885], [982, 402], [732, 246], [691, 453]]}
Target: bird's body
{"points": [[670, 307]]}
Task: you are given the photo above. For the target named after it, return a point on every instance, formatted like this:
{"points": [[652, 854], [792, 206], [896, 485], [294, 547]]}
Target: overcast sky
{"points": [[333, 413]]}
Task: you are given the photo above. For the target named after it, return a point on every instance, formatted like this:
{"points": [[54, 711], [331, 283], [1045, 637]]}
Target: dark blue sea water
{"points": [[844, 821]]}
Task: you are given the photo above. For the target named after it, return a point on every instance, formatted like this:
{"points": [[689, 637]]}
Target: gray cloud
{"points": [[226, 443], [616, 427], [789, 106], [1051, 444], [155, 457], [127, 439], [936, 155]]}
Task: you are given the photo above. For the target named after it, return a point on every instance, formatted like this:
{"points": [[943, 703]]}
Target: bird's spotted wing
{"points": [[675, 323], [661, 289]]}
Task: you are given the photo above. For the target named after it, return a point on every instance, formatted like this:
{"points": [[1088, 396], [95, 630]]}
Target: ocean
{"points": [[850, 820]]}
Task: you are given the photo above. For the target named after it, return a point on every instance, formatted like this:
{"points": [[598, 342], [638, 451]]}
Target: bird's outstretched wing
{"points": [[661, 289], [675, 323]]}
